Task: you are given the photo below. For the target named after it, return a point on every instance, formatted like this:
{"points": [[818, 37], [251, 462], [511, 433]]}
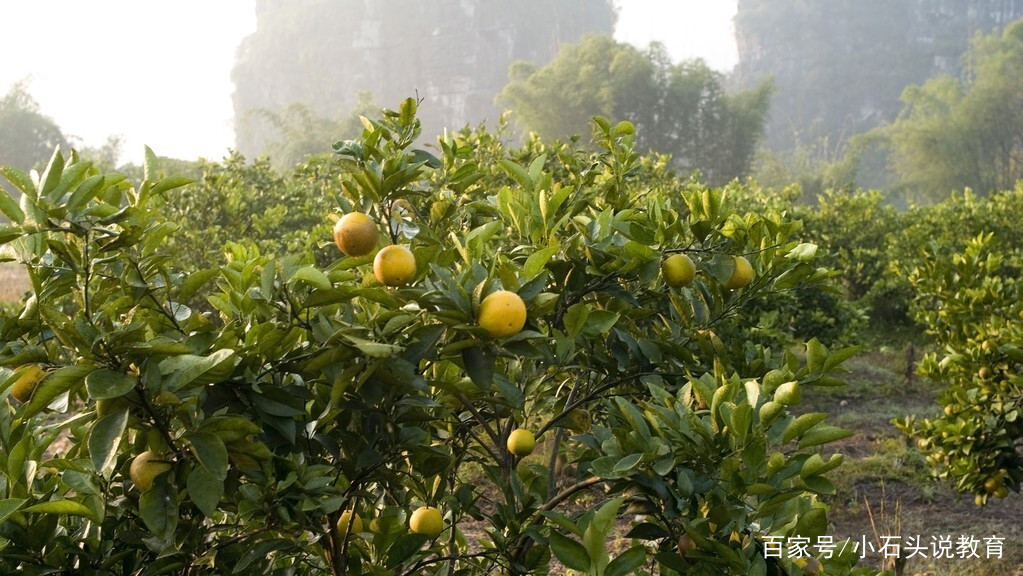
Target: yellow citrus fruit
{"points": [[678, 270], [812, 567], [1001, 492], [345, 520], [145, 468], [26, 384], [427, 520], [686, 544], [521, 442], [355, 234], [992, 484], [742, 274], [394, 266], [502, 313]]}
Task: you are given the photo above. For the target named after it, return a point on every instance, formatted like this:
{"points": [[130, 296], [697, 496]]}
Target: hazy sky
{"points": [[159, 72]]}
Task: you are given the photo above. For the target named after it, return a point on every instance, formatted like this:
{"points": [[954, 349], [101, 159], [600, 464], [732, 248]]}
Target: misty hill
{"points": [[454, 53], [840, 66]]}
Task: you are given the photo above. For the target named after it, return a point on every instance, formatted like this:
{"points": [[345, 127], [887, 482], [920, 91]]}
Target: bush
{"points": [[302, 391]]}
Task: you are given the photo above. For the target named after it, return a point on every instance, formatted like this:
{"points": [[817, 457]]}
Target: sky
{"points": [[158, 73]]}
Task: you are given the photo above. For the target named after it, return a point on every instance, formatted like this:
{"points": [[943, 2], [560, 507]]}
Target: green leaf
{"points": [[85, 191], [158, 508], [518, 173], [569, 552], [205, 490], [837, 357], [373, 349], [9, 506], [575, 319], [53, 385], [404, 547], [195, 280], [149, 165], [61, 508], [812, 523], [186, 369], [312, 276], [20, 180], [600, 322], [210, 451], [104, 440], [170, 184], [260, 551], [805, 252], [104, 384], [627, 463], [479, 365], [597, 533], [10, 208], [823, 435], [51, 176], [537, 260], [740, 421], [627, 562]]}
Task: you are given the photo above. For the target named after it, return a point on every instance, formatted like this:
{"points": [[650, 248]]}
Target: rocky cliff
{"points": [[840, 66], [453, 53]]}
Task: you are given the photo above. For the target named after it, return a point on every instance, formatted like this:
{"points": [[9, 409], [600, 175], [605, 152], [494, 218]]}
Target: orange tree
{"points": [[307, 419], [969, 301]]}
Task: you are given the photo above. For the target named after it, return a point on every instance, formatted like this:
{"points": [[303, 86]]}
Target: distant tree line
{"points": [[678, 109]]}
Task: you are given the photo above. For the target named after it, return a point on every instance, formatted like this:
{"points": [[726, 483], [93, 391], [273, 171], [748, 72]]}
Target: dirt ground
{"points": [[13, 282]]}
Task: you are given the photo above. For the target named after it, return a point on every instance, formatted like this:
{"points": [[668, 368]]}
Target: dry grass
{"points": [[13, 282]]}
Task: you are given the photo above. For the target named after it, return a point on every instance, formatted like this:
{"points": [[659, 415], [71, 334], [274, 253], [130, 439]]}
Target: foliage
{"points": [[681, 110], [301, 133], [306, 390], [972, 307], [955, 134], [27, 137], [280, 214]]}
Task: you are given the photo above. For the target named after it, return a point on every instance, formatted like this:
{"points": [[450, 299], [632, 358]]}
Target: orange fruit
{"points": [[355, 234], [502, 313], [394, 265]]}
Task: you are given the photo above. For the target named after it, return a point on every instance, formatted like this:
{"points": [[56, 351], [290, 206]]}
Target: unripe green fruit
{"points": [[788, 394], [770, 411]]}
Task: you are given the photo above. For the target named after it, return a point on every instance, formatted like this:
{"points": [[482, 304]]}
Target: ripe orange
{"points": [[145, 468], [427, 520], [678, 270], [344, 521], [742, 274], [502, 313], [521, 442], [355, 234], [394, 265], [25, 385]]}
